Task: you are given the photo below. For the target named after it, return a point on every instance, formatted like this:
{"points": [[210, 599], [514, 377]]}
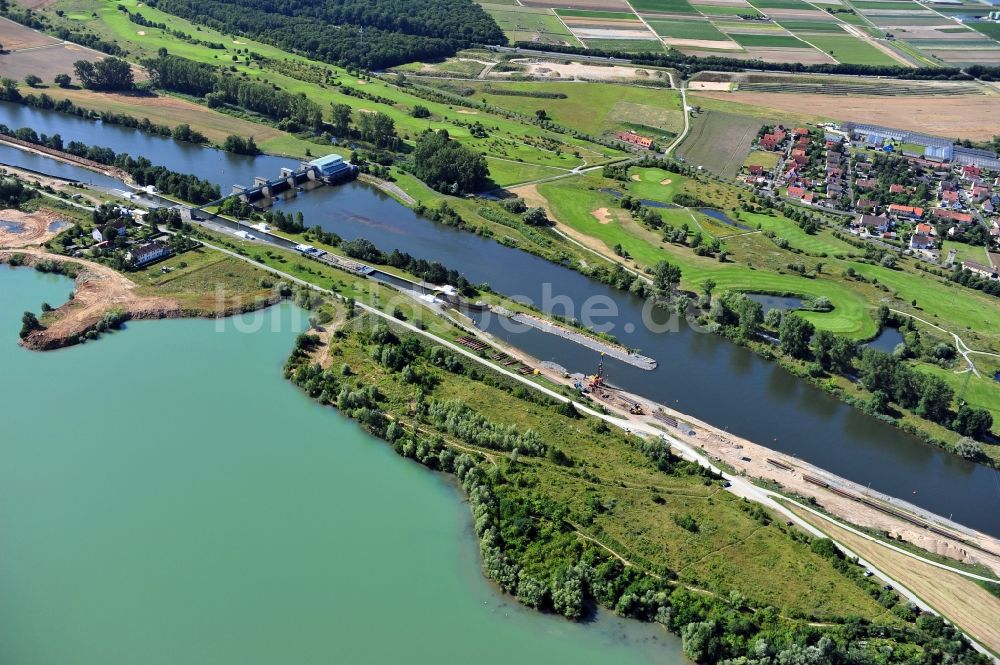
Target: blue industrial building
{"points": [[332, 166]]}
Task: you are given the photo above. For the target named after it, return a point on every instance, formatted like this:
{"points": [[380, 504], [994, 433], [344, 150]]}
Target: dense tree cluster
{"points": [[240, 145], [13, 193], [447, 165], [292, 112], [394, 31], [106, 74]]}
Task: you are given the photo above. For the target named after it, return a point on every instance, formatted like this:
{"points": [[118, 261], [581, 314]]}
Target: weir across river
{"points": [[329, 170]]}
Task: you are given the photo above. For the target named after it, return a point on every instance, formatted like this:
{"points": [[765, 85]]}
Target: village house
{"points": [[950, 197], [921, 241], [865, 205], [808, 198], [147, 253], [971, 172], [773, 140], [953, 215], [865, 184], [756, 169], [871, 225], [906, 212], [110, 231], [896, 188], [795, 192], [980, 193], [979, 269]]}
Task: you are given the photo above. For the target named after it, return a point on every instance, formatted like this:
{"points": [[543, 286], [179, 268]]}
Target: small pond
{"points": [[887, 340], [11, 227], [783, 303], [720, 216]]}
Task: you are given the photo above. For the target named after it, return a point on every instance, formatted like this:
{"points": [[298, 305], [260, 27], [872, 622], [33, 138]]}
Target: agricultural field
{"points": [[594, 108], [530, 24], [28, 51], [508, 138], [795, 32], [720, 141]]}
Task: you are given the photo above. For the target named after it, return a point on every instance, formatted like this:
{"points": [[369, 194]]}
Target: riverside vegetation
{"points": [[570, 514]]}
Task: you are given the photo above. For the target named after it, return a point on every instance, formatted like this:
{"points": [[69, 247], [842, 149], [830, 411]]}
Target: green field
{"points": [[594, 108], [868, 5], [663, 7], [686, 29], [762, 158], [586, 13], [722, 10], [850, 50], [793, 25], [626, 45], [768, 41], [574, 205], [531, 24], [991, 30], [720, 141], [780, 4]]}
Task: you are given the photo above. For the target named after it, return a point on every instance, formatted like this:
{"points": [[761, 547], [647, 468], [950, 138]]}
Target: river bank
{"points": [[702, 372]]}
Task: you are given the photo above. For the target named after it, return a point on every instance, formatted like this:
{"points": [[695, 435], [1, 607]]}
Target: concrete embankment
{"points": [[110, 171], [601, 346]]}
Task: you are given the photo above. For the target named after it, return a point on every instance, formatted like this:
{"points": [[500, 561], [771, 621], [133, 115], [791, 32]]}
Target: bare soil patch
{"points": [[576, 70], [32, 228], [974, 117], [807, 56], [99, 290], [35, 4], [710, 85], [602, 215], [974, 609], [51, 59], [15, 36], [468, 112], [717, 44], [170, 111]]}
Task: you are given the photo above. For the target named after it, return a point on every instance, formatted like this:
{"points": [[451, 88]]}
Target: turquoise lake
{"points": [[166, 497]]}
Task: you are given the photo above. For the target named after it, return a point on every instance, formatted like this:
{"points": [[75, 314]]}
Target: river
{"points": [[698, 373], [167, 497]]}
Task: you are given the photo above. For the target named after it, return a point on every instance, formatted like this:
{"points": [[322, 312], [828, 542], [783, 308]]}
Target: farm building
{"points": [[635, 139], [149, 252]]}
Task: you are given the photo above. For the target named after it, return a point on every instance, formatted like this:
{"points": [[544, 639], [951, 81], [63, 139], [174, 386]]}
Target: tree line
{"points": [[186, 186]]}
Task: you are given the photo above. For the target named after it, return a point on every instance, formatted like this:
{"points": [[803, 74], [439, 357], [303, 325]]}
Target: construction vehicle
{"points": [[596, 381]]}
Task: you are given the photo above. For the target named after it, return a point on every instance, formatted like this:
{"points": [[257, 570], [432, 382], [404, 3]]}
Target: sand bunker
{"points": [[636, 178], [141, 33], [602, 215], [666, 181], [468, 111]]}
